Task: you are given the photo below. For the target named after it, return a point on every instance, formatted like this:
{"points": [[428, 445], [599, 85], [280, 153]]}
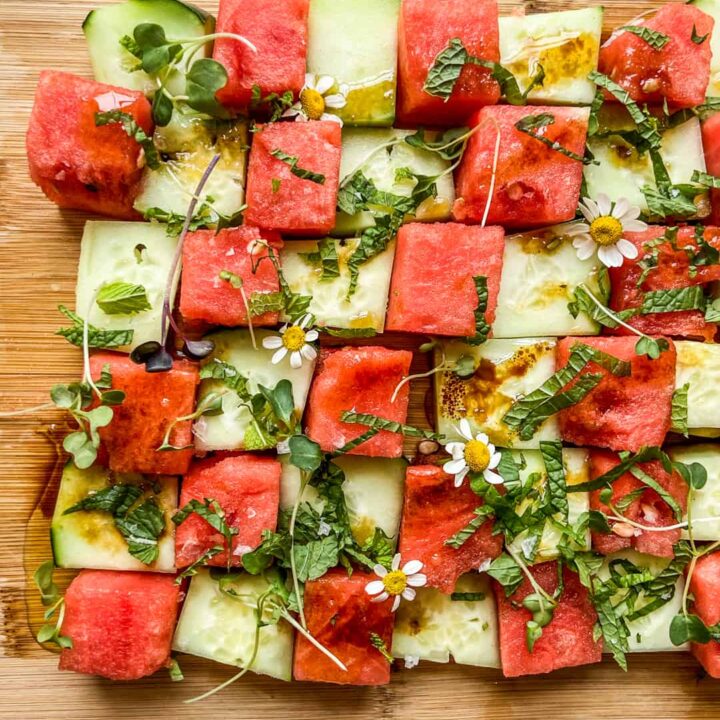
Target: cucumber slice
{"points": [[373, 491], [112, 63], [650, 633], [505, 370], [703, 503], [90, 539], [698, 364], [366, 308], [379, 153], [189, 144], [622, 172], [712, 8], [540, 272], [132, 252], [565, 43], [355, 42], [232, 430], [545, 548], [434, 627], [215, 626]]}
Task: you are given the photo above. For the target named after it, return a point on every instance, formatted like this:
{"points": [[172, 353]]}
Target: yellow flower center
{"points": [[606, 230], [293, 338], [313, 103], [477, 455], [395, 582]]}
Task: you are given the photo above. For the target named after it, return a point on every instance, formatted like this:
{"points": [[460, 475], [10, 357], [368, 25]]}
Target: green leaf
{"points": [[276, 103], [280, 399], [552, 455], [379, 644], [230, 277], [698, 39], [203, 80], [133, 130], [712, 312], [315, 558], [467, 596], [446, 69], [688, 628], [373, 241], [162, 109], [449, 146], [482, 327], [266, 302], [614, 630], [81, 447], [141, 529], [43, 577], [507, 572], [97, 338], [305, 454], [705, 179], [203, 560], [533, 126], [377, 423], [509, 86], [651, 347], [326, 257], [122, 298], [533, 632], [654, 38], [679, 413], [176, 674], [667, 498], [673, 300], [350, 332], [292, 161], [116, 499], [213, 514], [230, 376], [457, 540], [694, 474]]}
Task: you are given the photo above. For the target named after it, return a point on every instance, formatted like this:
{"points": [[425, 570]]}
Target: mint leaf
{"points": [[292, 161], [122, 298], [97, 337], [654, 38], [133, 130]]}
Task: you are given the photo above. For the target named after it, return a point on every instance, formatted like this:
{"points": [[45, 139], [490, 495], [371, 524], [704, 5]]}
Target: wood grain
{"points": [[38, 256]]}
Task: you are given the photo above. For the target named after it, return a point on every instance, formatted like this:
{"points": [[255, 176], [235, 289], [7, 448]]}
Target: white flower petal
{"points": [[382, 597], [459, 477], [631, 212], [332, 118], [308, 352], [603, 203], [380, 570], [634, 226], [493, 478], [344, 89], [295, 360], [465, 429], [292, 111], [620, 208], [310, 80], [305, 321], [279, 355], [324, 83], [312, 335], [628, 249], [483, 438], [336, 101], [412, 566], [301, 117], [408, 593], [396, 603], [454, 466], [494, 461], [584, 248], [374, 587], [589, 208], [272, 342], [395, 561], [610, 256], [417, 580], [455, 447], [578, 228]]}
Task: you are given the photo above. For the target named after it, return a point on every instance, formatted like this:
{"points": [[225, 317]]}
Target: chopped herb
{"points": [[462, 536], [655, 39], [705, 179], [712, 312], [326, 257], [230, 277], [507, 572], [266, 302], [214, 515], [203, 560], [55, 602], [292, 161], [122, 298], [350, 332], [468, 596], [276, 183], [482, 327], [698, 39], [379, 644], [277, 103], [673, 300], [133, 130], [679, 412], [533, 126], [378, 423], [175, 671], [97, 337], [116, 500]]}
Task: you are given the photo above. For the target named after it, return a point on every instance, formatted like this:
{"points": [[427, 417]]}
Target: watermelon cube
{"points": [[567, 641], [247, 488], [647, 509], [621, 413], [205, 297], [418, 303], [362, 380], [533, 183], [76, 164], [277, 65], [670, 269], [705, 588], [711, 146], [434, 511], [426, 27], [152, 402], [341, 616], [277, 197], [678, 72], [120, 623]]}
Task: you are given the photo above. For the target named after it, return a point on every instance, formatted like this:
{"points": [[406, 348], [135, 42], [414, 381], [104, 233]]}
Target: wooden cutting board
{"points": [[38, 257]]}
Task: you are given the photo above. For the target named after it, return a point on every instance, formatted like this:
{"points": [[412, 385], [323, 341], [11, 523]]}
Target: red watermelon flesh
{"points": [[621, 413], [434, 511], [205, 297], [279, 32], [672, 271], [121, 623], [567, 641], [297, 205], [76, 164], [362, 380], [678, 73], [705, 588], [455, 252], [341, 616], [649, 509], [425, 29], [247, 488], [711, 146], [152, 402], [534, 184]]}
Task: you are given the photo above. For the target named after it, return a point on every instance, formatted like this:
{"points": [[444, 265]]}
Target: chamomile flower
{"points": [[293, 339], [603, 231], [476, 455], [314, 99], [397, 582]]}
